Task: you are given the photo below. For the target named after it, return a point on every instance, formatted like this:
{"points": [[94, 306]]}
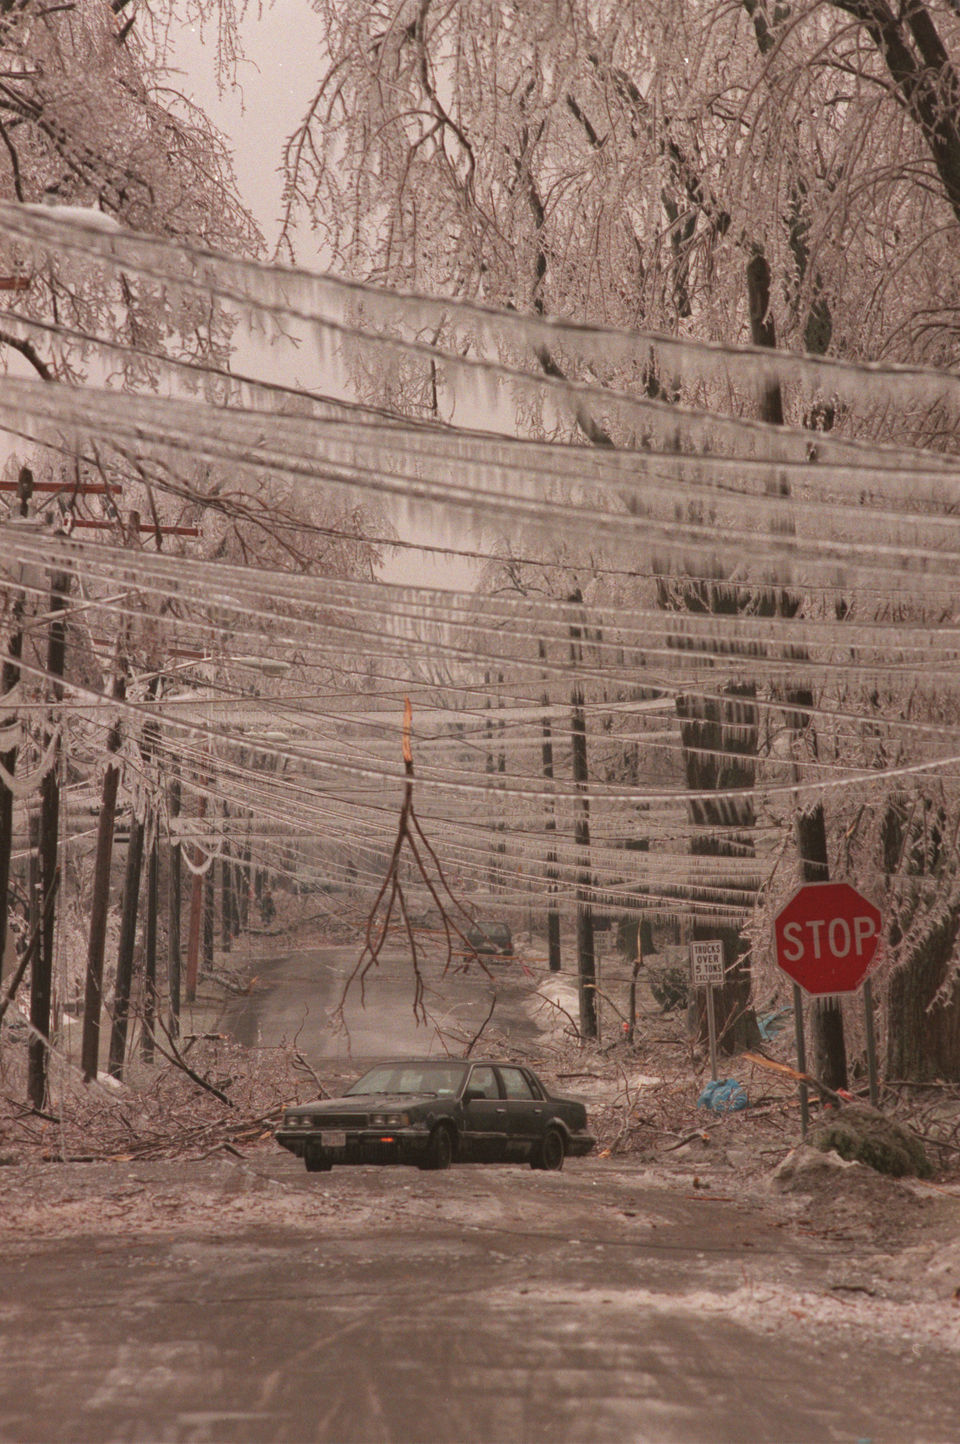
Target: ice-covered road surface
{"points": [[241, 1300]]}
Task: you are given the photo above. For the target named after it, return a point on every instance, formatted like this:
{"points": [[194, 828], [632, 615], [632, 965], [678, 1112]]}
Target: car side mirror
{"points": [[472, 1094]]}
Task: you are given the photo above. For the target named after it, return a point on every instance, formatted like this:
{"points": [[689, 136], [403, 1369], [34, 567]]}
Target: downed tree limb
{"points": [[392, 895], [476, 1036], [177, 1059], [300, 1063], [785, 1071], [209, 1136], [687, 1138]]}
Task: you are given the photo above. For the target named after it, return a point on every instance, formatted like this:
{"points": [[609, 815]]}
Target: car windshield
{"points": [[441, 1079]]}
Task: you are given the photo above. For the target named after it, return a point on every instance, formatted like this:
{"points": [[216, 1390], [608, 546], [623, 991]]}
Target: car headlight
{"points": [[295, 1120], [389, 1120]]}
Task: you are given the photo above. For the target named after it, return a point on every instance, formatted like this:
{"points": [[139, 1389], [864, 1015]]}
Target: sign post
{"points": [[871, 1041], [706, 971], [801, 1058], [825, 939]]}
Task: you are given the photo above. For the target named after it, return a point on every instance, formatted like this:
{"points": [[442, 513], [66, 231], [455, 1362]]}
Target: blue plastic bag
{"points": [[723, 1095]]}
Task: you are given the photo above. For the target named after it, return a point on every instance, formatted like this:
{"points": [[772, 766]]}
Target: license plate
{"points": [[333, 1138]]}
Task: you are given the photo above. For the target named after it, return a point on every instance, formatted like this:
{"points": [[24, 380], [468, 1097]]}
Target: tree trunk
{"points": [[196, 911], [923, 1039], [93, 998], [125, 949], [208, 920], [719, 740], [9, 678], [150, 949], [193, 936], [174, 905], [238, 885], [826, 1015], [41, 977], [490, 769], [552, 872], [245, 856], [226, 900], [923, 1030], [925, 78]]}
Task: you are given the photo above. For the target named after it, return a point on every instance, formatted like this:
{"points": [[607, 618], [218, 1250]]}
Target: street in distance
{"points": [[434, 1112]]}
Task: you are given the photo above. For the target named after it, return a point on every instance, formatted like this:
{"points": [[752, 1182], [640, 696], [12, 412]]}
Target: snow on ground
{"points": [[768, 1307]]}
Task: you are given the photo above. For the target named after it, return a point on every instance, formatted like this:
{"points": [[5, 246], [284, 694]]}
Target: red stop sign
{"points": [[826, 937]]}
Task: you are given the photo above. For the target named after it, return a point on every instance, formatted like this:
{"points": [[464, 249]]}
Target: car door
{"points": [[484, 1136], [525, 1114]]}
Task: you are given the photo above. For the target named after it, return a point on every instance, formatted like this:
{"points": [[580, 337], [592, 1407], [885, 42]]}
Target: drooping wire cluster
{"points": [[775, 598]]}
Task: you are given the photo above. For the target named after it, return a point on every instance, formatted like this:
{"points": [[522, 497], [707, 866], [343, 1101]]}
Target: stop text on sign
{"points": [[833, 937]]}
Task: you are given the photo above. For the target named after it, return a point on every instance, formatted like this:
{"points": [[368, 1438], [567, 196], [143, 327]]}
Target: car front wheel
{"points": [[551, 1152], [439, 1152]]}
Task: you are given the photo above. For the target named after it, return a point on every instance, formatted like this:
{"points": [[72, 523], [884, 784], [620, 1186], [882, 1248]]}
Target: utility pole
{"points": [[128, 933], [130, 905], [150, 946], [9, 724], [226, 887], [586, 951], [196, 907], [93, 995]]}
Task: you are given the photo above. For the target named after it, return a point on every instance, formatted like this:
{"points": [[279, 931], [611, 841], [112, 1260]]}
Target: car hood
{"points": [[366, 1103]]}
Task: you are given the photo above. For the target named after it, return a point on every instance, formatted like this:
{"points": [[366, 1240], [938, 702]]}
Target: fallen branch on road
{"points": [[177, 1059]]}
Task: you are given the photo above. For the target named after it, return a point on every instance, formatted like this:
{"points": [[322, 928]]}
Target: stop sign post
{"points": [[826, 940]]}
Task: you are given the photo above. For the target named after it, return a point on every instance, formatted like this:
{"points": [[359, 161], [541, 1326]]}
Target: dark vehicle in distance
{"points": [[491, 938], [433, 1112]]}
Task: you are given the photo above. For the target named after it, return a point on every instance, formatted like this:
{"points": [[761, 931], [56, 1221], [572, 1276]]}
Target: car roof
{"points": [[440, 1062]]}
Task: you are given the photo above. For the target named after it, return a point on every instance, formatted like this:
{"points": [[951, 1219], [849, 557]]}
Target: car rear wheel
{"points": [[439, 1152], [551, 1152], [316, 1162]]}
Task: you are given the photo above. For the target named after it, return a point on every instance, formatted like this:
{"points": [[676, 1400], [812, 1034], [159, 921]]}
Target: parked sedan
{"points": [[491, 938], [433, 1112]]}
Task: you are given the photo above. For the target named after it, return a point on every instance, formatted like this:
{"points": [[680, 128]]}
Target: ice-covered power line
{"points": [[812, 535], [751, 587], [290, 294], [631, 644]]}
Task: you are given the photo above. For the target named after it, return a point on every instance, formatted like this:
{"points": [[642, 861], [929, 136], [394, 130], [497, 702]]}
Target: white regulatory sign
{"points": [[706, 963]]}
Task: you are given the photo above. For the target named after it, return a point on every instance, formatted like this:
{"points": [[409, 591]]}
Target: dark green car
{"points": [[491, 938], [434, 1112]]}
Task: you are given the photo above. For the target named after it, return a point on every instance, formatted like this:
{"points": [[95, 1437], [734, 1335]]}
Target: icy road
{"points": [[237, 1298]]}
